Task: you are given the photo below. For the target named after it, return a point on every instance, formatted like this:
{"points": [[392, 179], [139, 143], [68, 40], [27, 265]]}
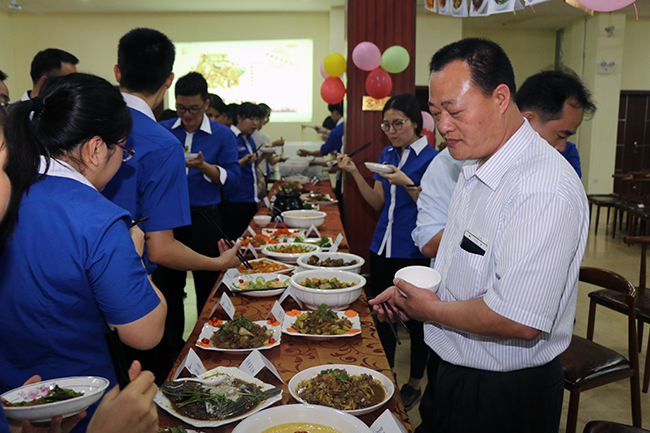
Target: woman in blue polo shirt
{"points": [[70, 267], [392, 247]]}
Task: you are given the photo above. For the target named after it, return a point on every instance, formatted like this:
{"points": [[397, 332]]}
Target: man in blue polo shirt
{"points": [[555, 102], [211, 161], [51, 62], [153, 183]]}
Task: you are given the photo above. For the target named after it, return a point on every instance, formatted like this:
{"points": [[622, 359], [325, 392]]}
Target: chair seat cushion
{"points": [[616, 301], [585, 360]]}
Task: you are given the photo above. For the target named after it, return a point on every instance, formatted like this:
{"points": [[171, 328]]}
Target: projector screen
{"points": [[276, 72]]}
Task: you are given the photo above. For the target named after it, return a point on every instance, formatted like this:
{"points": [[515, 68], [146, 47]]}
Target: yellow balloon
{"points": [[334, 64]]}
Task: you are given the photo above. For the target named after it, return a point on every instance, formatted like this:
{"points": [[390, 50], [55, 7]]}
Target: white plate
{"points": [[378, 168], [264, 149], [166, 405], [289, 320], [275, 416], [329, 200], [351, 370], [190, 156], [93, 388], [288, 257], [294, 233], [286, 267], [208, 330], [314, 241], [263, 292]]}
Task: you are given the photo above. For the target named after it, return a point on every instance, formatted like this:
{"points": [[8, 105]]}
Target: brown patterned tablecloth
{"points": [[297, 353]]}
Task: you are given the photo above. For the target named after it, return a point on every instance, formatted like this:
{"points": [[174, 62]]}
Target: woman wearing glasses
{"points": [[392, 247], [71, 266]]}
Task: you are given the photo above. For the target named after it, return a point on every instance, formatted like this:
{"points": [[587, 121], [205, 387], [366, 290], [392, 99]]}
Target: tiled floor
{"points": [[610, 402]]}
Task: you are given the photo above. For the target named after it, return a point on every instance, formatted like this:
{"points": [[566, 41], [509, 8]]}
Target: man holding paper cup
{"points": [[509, 257]]}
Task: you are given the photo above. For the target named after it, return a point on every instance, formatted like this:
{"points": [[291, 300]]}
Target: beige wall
{"points": [[432, 32], [6, 51], [636, 55]]}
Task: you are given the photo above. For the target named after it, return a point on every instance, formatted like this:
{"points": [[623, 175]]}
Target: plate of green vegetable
{"points": [[42, 401], [260, 285]]}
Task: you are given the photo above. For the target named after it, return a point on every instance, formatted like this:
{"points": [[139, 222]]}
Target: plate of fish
{"points": [[351, 389], [221, 396], [265, 266], [42, 401], [239, 335], [322, 323], [260, 285]]}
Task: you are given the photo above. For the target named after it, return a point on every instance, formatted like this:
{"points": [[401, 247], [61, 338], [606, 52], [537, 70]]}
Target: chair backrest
{"points": [[644, 241], [613, 281], [611, 427]]}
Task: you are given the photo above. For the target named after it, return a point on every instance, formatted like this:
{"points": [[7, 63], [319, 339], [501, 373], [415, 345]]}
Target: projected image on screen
{"points": [[276, 72]]}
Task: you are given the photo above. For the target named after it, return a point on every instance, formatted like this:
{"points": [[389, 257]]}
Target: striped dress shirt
{"points": [[526, 211]]}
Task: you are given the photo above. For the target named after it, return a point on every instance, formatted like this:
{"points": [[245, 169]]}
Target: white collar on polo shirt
{"points": [[205, 124], [62, 169], [136, 103]]}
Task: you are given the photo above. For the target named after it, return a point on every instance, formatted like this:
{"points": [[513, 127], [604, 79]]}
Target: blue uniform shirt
{"points": [[334, 140], [4, 427], [152, 183], [217, 143], [393, 233], [70, 266], [571, 154], [246, 190]]}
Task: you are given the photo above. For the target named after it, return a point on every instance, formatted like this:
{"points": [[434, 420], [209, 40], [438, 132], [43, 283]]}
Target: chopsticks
{"points": [[355, 152], [215, 226], [385, 306], [136, 222]]}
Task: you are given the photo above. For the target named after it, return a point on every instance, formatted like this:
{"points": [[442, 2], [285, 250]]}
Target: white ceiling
{"points": [[551, 15]]}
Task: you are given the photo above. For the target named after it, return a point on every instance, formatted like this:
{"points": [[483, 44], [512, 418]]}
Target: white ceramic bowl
{"points": [[190, 156], [262, 220], [303, 218], [93, 388], [423, 277], [388, 386], [265, 149], [378, 168], [288, 257], [336, 299], [302, 261], [275, 416]]}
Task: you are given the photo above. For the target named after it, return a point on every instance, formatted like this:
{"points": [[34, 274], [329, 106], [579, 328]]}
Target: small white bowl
{"points": [[262, 220], [302, 261], [336, 299], [93, 388], [288, 257], [265, 149], [190, 156], [378, 168], [423, 277], [290, 413], [303, 218]]}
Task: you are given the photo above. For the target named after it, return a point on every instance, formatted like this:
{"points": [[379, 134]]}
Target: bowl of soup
{"points": [[303, 218]]}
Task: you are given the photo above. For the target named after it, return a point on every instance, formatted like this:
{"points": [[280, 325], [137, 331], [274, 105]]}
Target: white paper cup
{"points": [[262, 220], [423, 277]]}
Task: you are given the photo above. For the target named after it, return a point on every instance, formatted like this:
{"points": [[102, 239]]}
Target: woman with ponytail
{"points": [[70, 267]]}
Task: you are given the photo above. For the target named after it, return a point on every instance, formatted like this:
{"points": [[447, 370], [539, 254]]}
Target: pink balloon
{"points": [[605, 5], [366, 56], [332, 90], [378, 83], [322, 71], [427, 121]]}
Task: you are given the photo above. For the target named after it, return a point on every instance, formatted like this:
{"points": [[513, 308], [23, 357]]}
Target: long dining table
{"points": [[294, 353]]}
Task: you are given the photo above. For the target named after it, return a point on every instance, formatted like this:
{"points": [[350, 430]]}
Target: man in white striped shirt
{"points": [[509, 257]]}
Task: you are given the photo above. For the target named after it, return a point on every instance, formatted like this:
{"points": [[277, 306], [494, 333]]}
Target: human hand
{"points": [[322, 130], [250, 158], [56, 425], [228, 256], [196, 162], [303, 152], [418, 303], [131, 409], [345, 163], [137, 235], [397, 177], [387, 296]]}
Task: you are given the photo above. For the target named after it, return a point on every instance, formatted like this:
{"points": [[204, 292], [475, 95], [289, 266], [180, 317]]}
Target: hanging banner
{"points": [[478, 8], [431, 5], [534, 2], [444, 7], [459, 8], [503, 6]]}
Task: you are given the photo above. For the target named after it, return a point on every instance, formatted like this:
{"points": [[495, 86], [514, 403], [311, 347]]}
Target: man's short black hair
{"points": [[192, 84], [248, 110], [3, 76], [145, 58], [48, 61], [336, 107], [488, 63], [217, 103], [545, 93], [231, 111]]}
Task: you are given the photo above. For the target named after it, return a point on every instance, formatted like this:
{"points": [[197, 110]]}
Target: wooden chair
{"points": [[588, 365], [617, 302], [611, 427]]}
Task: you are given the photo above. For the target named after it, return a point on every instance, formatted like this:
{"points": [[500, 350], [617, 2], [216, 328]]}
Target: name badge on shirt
{"points": [[473, 244]]}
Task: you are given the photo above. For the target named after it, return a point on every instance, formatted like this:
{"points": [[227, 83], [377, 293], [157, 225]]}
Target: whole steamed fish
{"points": [[230, 398]]}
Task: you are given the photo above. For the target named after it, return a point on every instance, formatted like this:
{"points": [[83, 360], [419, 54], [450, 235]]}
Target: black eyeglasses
{"points": [[127, 153], [397, 124], [194, 109]]}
